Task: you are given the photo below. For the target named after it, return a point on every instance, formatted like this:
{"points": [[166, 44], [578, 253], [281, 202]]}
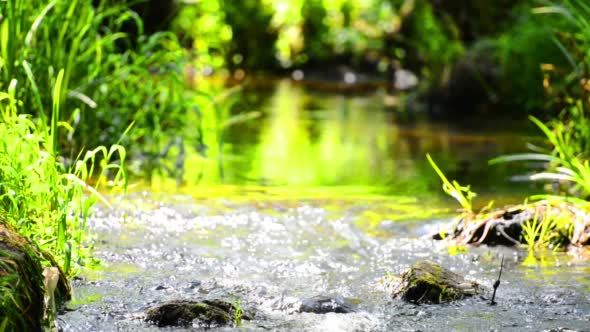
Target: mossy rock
{"points": [[208, 313], [21, 283], [22, 289], [428, 282]]}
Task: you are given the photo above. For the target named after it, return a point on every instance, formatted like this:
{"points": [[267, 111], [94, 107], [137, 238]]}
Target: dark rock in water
{"points": [[428, 282], [194, 284], [325, 304], [161, 287], [209, 313]]}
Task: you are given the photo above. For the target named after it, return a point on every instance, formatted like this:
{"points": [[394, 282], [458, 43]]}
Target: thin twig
{"points": [[497, 282]]}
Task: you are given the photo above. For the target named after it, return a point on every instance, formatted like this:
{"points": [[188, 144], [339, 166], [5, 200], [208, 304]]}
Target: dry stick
{"points": [[497, 282]]}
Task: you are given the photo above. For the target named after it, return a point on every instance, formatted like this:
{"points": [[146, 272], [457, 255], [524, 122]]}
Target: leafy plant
{"points": [[552, 226], [531, 230], [238, 313], [563, 162]]}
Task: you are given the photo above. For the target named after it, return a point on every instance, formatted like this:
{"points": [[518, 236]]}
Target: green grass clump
{"points": [[45, 201], [566, 166], [113, 74], [566, 160], [238, 313], [551, 227]]}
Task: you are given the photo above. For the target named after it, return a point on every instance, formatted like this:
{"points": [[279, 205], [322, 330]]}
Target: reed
{"points": [[462, 194]]}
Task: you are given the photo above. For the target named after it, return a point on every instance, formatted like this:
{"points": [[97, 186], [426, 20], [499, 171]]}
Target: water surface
{"points": [[299, 138], [270, 256], [324, 194]]}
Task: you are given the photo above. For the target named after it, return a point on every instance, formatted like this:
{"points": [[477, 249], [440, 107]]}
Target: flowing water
{"points": [[329, 195]]}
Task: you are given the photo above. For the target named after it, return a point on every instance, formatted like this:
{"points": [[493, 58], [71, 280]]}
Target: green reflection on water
{"points": [[341, 143], [305, 139], [319, 139]]}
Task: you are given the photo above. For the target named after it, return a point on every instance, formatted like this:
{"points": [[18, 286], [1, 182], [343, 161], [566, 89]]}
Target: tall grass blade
{"points": [[55, 112]]}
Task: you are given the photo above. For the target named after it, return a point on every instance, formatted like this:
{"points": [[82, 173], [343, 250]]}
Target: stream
{"points": [[286, 227]]}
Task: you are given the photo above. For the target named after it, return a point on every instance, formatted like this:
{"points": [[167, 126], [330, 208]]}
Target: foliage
{"points": [[202, 27], [573, 91], [564, 163], [265, 34], [39, 196], [436, 42], [523, 50], [111, 78], [551, 227], [238, 313], [253, 37]]}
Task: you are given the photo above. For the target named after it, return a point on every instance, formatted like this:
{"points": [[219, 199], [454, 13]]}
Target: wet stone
{"points": [[194, 284], [162, 287], [325, 304], [208, 313], [428, 282]]}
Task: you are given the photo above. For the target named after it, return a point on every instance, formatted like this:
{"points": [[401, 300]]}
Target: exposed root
{"points": [[506, 226]]}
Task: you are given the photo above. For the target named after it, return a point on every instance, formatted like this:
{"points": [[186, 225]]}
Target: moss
{"points": [[183, 313], [427, 282], [22, 284]]}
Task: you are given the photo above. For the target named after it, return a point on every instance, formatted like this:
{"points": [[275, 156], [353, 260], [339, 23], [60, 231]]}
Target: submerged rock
{"points": [[428, 282], [207, 313], [325, 304]]}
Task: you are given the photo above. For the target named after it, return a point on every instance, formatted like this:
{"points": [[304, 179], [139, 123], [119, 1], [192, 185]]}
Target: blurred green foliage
{"points": [[266, 34], [202, 28], [568, 85], [522, 50], [115, 74], [428, 37]]}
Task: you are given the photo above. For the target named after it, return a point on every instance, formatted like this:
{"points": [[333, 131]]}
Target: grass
{"points": [[564, 164], [238, 313], [40, 197], [535, 232], [554, 220], [109, 78], [569, 172], [72, 78], [45, 201], [551, 227], [462, 194]]}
